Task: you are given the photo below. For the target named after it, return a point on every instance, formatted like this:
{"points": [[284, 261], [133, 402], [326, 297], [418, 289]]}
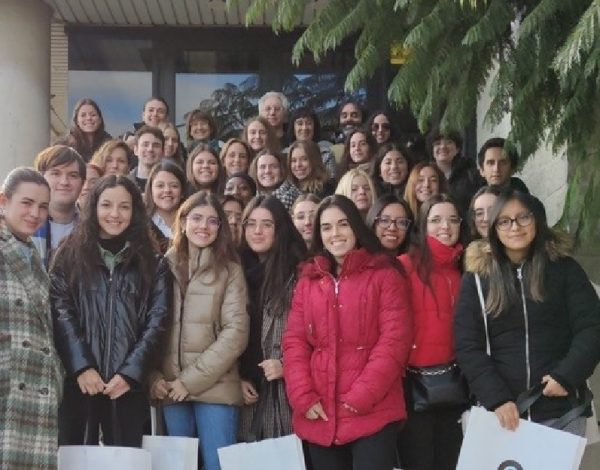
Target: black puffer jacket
{"points": [[564, 334], [463, 183], [105, 323]]}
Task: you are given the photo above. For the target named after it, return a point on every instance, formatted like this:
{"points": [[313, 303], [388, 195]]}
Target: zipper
{"points": [[111, 295], [526, 320]]}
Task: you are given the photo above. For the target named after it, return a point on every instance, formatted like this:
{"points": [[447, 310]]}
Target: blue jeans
{"points": [[214, 425]]}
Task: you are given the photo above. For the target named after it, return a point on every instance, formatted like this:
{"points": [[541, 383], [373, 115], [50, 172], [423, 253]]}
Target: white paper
{"points": [[487, 446], [172, 452], [103, 458], [269, 454]]}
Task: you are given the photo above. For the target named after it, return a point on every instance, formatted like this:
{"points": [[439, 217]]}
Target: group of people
{"points": [[278, 283]]}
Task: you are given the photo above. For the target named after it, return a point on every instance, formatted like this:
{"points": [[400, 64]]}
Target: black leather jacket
{"points": [[105, 323]]}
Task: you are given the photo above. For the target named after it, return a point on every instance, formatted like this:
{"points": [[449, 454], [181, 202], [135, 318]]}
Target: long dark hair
{"points": [[502, 293], [377, 208], [365, 238], [170, 167], [77, 137], [384, 149], [285, 255], [419, 252], [217, 185], [346, 162], [82, 243], [223, 250]]}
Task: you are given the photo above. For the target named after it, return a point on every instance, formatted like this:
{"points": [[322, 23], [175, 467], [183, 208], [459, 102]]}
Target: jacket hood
{"points": [[478, 255], [357, 260]]}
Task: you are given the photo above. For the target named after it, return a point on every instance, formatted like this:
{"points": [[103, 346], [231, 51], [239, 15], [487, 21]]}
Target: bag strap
{"points": [[488, 349], [584, 398]]}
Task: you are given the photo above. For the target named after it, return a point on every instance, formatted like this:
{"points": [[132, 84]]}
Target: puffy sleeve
{"points": [[297, 351], [69, 338], [469, 335], [583, 310], [140, 360], [231, 340], [389, 356]]}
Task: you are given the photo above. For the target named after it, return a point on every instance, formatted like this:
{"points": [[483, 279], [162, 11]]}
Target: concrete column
{"points": [[24, 81]]}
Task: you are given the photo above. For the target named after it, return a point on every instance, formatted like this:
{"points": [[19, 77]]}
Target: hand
{"points": [[178, 391], [553, 388], [159, 390], [90, 382], [249, 393], [272, 368], [508, 415], [315, 412], [116, 387]]}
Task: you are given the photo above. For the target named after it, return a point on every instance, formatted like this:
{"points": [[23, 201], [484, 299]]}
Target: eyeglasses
{"points": [[212, 222], [452, 220], [522, 220], [250, 224], [401, 223], [385, 126]]}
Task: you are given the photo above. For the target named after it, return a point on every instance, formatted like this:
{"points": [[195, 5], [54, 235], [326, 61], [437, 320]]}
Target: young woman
{"points": [[460, 173], [272, 248], [198, 380], [235, 156], [390, 219], [359, 148], [258, 134], [432, 438], [305, 126], [242, 186], [204, 171], [306, 170], [480, 210], [303, 214], [346, 345], [30, 371], [109, 316], [92, 174], [389, 170], [425, 180], [200, 128], [357, 186], [233, 209], [381, 127], [87, 129], [268, 171], [165, 191], [173, 149], [542, 317], [113, 158]]}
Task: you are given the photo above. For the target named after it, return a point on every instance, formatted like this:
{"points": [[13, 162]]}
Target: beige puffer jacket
{"points": [[208, 331]]}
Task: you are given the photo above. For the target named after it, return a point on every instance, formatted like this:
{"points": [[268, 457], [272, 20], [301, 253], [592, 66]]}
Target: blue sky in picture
{"points": [[121, 95]]}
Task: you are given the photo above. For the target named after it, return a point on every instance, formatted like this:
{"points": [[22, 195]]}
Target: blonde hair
{"points": [[344, 186]]}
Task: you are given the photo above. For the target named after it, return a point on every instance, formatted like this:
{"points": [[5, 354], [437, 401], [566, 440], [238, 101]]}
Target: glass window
{"points": [[120, 95]]}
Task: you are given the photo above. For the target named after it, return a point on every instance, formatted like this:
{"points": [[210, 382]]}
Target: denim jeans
{"points": [[214, 425]]}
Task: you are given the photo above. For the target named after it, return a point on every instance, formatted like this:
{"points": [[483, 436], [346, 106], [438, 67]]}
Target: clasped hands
{"points": [[90, 383]]}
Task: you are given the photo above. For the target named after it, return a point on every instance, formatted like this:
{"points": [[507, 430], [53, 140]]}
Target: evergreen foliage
{"points": [[545, 55]]}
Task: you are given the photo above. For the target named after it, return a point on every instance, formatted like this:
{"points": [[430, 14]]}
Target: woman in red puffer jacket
{"points": [[432, 438], [346, 344]]}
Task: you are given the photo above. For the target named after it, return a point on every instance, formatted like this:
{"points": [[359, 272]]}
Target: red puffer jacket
{"points": [[347, 342], [433, 305]]}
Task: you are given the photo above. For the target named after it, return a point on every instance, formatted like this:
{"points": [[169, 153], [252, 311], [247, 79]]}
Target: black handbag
{"points": [[435, 387]]}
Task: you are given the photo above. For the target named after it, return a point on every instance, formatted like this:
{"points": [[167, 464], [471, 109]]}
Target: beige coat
{"points": [[208, 331]]}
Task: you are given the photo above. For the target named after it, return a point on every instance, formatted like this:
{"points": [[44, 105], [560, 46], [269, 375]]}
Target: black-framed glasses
{"points": [[402, 223], [522, 220]]}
